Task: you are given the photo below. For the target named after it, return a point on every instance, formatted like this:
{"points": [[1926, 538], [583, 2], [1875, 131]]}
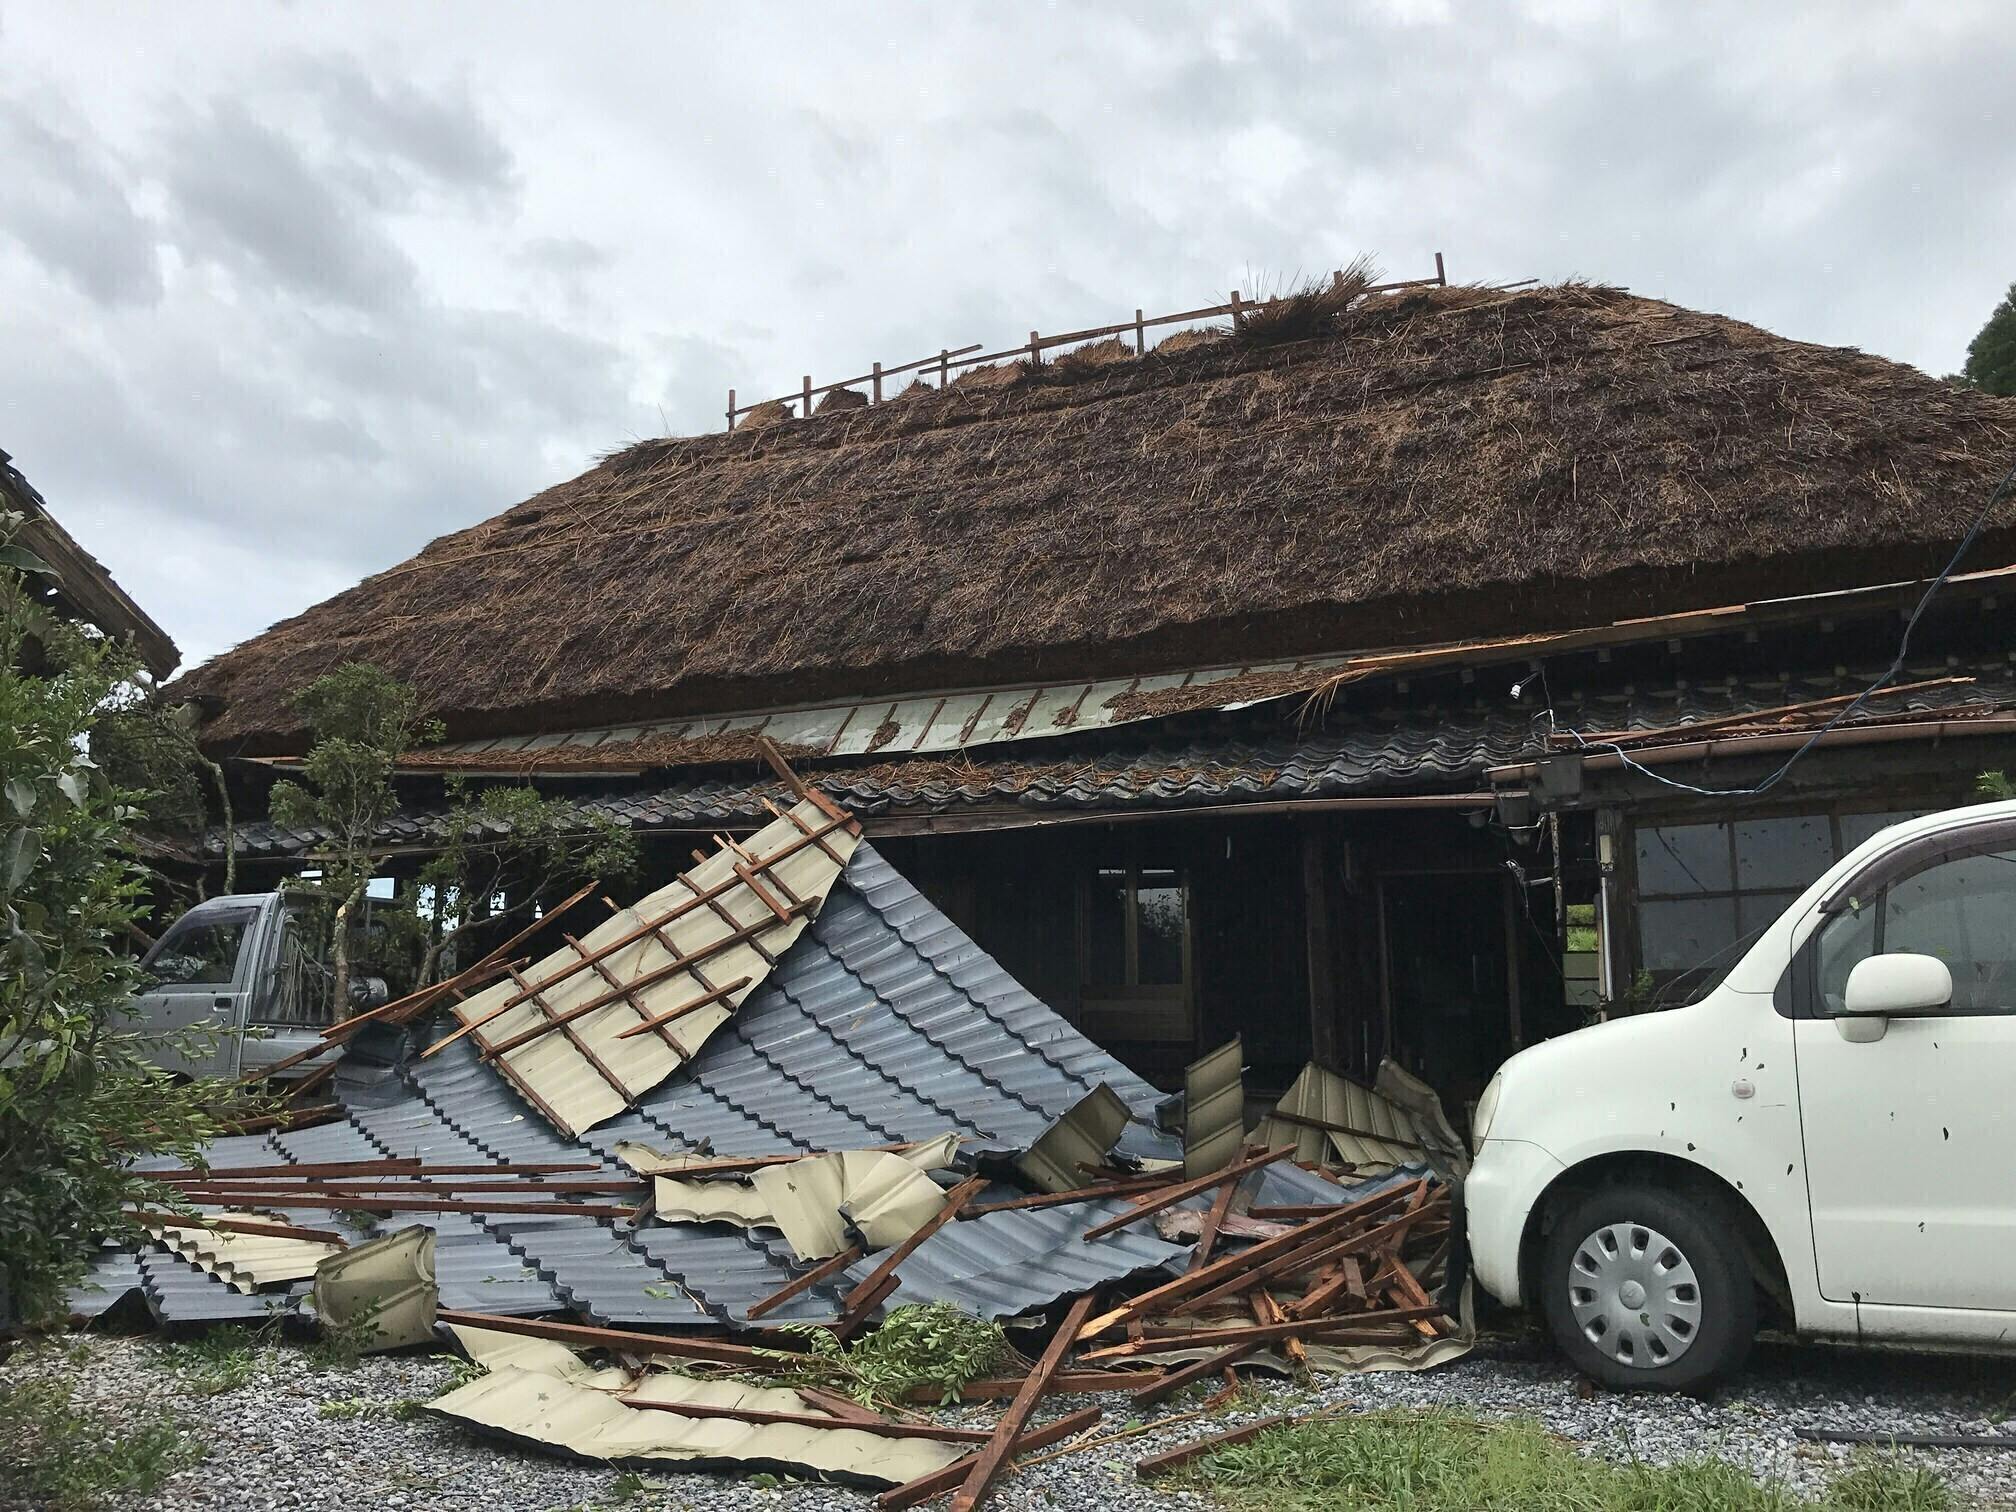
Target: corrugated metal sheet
{"points": [[543, 1397], [883, 1023], [385, 1286], [1360, 749], [245, 1262], [926, 722], [1214, 1109], [1342, 1121], [1059, 1159], [1003, 1264], [587, 1075]]}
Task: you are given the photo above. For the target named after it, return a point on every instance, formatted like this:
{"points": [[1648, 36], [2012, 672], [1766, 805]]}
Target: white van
{"points": [[1831, 1130]]}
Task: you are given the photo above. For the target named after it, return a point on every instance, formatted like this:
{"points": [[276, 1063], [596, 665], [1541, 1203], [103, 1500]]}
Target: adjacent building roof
{"points": [[1444, 463], [85, 590]]}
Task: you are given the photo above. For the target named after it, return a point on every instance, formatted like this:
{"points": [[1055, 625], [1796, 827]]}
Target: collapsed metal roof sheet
{"points": [[566, 1032], [1328, 1117], [883, 1023], [1003, 1264]]}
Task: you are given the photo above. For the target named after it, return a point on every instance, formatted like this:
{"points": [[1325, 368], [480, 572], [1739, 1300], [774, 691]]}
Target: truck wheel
{"points": [[1646, 1289]]}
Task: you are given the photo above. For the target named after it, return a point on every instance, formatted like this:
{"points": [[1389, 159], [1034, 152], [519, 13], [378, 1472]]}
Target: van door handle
{"points": [[220, 1002]]}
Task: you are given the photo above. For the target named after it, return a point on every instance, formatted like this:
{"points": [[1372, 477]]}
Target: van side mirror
{"points": [[1882, 987]]}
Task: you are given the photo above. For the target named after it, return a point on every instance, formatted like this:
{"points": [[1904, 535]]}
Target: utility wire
{"points": [[2000, 492]]}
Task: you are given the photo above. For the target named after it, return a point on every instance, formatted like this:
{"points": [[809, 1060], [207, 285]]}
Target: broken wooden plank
{"points": [[582, 1336], [855, 1319], [1182, 1454], [955, 1199], [1213, 1221], [938, 1482], [806, 1281], [1157, 1339], [1267, 1311], [988, 1465], [1064, 1383], [1170, 1196], [239, 1226], [1111, 1189], [1195, 1371], [879, 1426], [1218, 1270], [657, 1021]]}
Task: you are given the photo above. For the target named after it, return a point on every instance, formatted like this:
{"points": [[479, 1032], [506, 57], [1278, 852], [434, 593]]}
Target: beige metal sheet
{"points": [[1364, 1130], [1214, 1109], [385, 1286], [245, 1262], [559, 1071], [1080, 1138], [539, 1397], [885, 1196]]}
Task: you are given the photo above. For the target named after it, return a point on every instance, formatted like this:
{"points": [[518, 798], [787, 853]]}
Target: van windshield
{"points": [[200, 952]]}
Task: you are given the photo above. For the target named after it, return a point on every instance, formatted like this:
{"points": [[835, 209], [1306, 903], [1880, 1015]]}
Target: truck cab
{"points": [[1826, 1135], [236, 985]]}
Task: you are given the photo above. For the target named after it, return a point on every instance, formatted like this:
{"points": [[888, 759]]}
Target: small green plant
{"points": [[1885, 1483], [58, 1458], [460, 1373], [1993, 785], [344, 1343], [221, 1360], [929, 1345], [347, 1409]]}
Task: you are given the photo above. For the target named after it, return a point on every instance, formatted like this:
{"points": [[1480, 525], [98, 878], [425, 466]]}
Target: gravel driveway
{"points": [[271, 1446]]}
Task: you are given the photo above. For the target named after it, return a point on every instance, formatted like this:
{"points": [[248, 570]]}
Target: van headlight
{"points": [[1487, 1109]]}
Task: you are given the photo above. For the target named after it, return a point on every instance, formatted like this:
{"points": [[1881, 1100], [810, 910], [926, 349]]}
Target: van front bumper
{"points": [[1498, 1194]]}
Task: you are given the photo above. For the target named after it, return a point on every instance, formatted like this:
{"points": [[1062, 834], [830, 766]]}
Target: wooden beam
{"points": [[955, 1200], [238, 1226], [1213, 1221], [938, 1482], [981, 1478], [1064, 1383], [390, 1204], [660, 1020], [1157, 1339], [806, 1280], [742, 1356], [1184, 1189], [879, 1426], [1111, 1189], [1182, 1454]]}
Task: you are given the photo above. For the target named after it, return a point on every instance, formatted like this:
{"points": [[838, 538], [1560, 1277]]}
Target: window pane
{"points": [[1685, 932], [203, 953], [1845, 940], [1159, 925], [1782, 852], [1106, 965], [1963, 912], [1855, 828], [1684, 858]]}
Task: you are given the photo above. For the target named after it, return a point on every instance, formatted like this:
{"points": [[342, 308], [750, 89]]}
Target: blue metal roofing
{"points": [[884, 1022]]}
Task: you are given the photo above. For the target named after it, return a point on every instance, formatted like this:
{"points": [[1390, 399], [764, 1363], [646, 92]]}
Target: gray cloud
{"points": [[61, 200], [305, 291]]}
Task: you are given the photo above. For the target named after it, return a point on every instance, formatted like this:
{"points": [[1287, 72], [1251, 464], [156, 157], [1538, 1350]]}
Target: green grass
{"points": [[1440, 1462], [221, 1360], [58, 1458]]}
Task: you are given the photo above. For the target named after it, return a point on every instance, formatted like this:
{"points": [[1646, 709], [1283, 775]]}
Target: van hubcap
{"points": [[1634, 1296]]}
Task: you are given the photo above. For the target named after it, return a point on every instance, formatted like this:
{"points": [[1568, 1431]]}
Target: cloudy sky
{"points": [[288, 291]]}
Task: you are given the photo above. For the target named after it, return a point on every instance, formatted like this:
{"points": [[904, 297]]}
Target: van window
{"points": [[1961, 910], [200, 952]]}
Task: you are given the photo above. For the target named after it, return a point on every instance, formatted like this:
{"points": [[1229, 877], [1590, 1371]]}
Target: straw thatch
{"points": [[1443, 463]]}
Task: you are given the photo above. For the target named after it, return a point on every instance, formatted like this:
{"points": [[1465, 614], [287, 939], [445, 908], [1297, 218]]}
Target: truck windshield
{"points": [[200, 952]]}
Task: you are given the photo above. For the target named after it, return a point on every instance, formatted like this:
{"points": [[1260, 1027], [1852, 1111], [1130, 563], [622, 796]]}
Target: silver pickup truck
{"points": [[237, 984]]}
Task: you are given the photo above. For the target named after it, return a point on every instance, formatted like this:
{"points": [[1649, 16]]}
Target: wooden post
{"points": [[1238, 313], [1322, 976], [878, 384], [1035, 349], [731, 409], [1140, 333], [1386, 1015], [1441, 277], [806, 413], [944, 366]]}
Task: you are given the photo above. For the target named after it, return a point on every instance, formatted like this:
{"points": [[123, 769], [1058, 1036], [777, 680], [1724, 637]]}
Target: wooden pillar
{"points": [[1513, 955], [1322, 976]]}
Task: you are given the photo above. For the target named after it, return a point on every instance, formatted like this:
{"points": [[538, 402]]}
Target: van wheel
{"points": [[1646, 1289]]}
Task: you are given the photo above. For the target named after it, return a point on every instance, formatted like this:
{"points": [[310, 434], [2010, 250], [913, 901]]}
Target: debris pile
{"points": [[744, 1134]]}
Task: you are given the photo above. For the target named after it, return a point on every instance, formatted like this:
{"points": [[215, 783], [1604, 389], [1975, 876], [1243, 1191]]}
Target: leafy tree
{"points": [[149, 743], [78, 1098], [362, 719], [1991, 356], [508, 848]]}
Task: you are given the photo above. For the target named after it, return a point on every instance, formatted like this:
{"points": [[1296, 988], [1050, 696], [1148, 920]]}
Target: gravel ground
{"points": [[270, 1446]]}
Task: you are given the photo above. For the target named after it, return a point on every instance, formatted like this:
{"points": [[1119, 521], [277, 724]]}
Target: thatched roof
{"points": [[1447, 463]]}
